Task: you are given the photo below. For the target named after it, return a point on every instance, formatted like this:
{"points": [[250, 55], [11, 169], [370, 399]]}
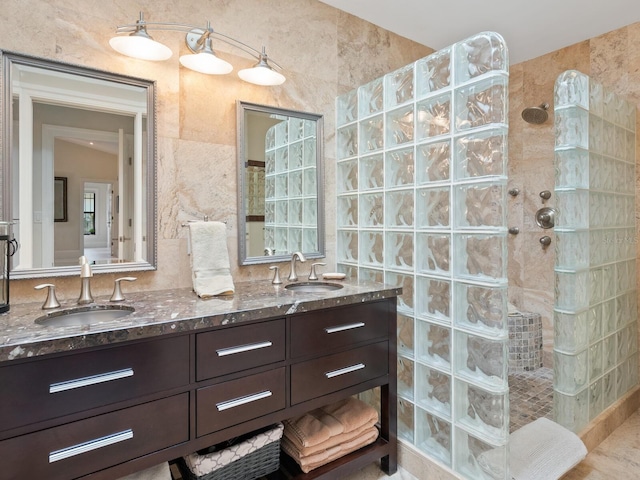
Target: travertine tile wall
{"points": [[612, 59], [325, 52]]}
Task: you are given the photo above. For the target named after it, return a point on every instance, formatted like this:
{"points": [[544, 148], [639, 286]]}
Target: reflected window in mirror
{"points": [[96, 130], [280, 184]]}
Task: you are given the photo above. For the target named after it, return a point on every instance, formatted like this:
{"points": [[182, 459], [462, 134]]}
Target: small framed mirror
{"points": [[280, 184], [78, 169]]}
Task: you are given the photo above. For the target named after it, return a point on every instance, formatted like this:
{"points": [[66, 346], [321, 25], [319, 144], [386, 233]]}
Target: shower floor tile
{"points": [[530, 397]]}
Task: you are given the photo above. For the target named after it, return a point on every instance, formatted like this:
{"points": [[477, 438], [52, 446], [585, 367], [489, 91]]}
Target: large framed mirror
{"points": [[78, 169], [280, 184]]}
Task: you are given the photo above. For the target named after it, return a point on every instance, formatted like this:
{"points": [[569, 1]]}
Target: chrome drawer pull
{"points": [[342, 371], [92, 380], [236, 402], [342, 328], [242, 348], [90, 445]]}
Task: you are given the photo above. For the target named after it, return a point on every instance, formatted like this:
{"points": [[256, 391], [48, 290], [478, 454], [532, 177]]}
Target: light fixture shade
{"points": [[140, 45], [206, 62], [262, 74]]}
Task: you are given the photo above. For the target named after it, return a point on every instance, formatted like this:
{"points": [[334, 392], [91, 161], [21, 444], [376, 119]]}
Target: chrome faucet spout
{"points": [[293, 276], [85, 285]]}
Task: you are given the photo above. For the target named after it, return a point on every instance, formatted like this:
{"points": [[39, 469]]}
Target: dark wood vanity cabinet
{"points": [[106, 412]]}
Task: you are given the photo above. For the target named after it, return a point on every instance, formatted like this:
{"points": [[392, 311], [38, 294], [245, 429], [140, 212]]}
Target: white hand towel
{"points": [[210, 270]]}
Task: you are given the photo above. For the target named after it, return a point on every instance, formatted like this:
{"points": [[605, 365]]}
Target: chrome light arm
{"points": [[198, 36]]}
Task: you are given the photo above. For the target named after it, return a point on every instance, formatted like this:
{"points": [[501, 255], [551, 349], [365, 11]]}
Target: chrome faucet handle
{"points": [[313, 275], [51, 301], [293, 276], [276, 275], [117, 295]]}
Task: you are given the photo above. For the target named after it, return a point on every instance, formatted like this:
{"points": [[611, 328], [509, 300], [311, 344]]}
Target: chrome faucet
{"points": [[293, 277], [85, 287]]}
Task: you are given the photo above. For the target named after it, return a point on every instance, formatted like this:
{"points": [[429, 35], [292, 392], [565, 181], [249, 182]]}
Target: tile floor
{"points": [[530, 397], [373, 472], [616, 458]]}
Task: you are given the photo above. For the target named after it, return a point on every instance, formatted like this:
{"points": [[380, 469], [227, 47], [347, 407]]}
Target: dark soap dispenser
{"points": [[8, 246]]}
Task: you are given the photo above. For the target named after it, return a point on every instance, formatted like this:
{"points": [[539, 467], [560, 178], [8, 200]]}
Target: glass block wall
{"points": [[290, 212], [595, 346], [421, 178]]}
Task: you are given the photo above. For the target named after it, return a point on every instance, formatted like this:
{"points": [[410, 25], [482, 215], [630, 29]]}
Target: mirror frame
{"points": [[8, 59], [242, 108]]}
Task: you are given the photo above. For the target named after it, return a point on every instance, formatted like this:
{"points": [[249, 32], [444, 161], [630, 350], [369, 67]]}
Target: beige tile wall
{"points": [[612, 59], [325, 53]]}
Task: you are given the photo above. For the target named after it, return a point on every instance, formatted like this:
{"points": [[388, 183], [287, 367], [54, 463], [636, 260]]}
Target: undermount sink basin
{"points": [[89, 315], [313, 287]]}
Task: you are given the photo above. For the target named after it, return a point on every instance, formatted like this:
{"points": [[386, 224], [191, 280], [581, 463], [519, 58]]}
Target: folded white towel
{"points": [[541, 450], [210, 270], [544, 449]]}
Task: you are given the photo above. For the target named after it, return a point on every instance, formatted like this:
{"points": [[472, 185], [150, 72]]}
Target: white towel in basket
{"points": [[201, 465]]}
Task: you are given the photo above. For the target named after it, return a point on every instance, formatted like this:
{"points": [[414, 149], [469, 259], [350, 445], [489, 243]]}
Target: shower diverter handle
{"points": [[546, 217]]}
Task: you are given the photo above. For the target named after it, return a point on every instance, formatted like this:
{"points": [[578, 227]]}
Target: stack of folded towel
{"points": [[325, 434]]}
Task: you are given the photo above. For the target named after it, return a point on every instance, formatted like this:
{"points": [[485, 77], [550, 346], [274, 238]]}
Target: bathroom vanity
{"points": [[182, 373]]}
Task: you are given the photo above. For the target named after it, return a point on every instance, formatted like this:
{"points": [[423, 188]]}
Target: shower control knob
{"points": [[514, 230], [546, 217], [545, 241], [545, 194]]}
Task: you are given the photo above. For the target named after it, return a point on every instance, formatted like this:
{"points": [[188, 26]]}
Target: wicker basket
{"points": [[253, 464]]}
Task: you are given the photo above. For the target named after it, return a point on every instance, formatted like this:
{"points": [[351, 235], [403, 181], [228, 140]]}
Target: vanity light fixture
{"points": [[139, 44]]}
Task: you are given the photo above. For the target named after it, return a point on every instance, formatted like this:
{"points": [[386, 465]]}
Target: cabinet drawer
{"points": [[89, 445], [334, 372], [315, 332], [229, 403], [239, 348], [52, 387]]}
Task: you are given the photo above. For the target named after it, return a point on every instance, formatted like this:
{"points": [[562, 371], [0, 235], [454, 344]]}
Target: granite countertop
{"points": [[170, 311]]}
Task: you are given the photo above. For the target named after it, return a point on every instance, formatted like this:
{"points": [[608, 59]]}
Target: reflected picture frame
{"points": [[60, 199]]}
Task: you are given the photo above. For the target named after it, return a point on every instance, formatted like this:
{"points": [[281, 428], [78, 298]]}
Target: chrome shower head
{"points": [[536, 115]]}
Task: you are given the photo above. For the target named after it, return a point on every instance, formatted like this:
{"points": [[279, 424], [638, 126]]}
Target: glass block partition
{"points": [[290, 211], [595, 346], [421, 179]]}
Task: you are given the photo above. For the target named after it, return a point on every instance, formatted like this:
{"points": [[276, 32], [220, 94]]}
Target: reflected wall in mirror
{"points": [[280, 184], [97, 130]]}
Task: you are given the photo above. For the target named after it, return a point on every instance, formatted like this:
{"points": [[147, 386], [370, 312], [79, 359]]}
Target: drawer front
{"points": [[334, 372], [239, 348], [229, 403], [89, 445], [314, 332], [50, 388]]}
